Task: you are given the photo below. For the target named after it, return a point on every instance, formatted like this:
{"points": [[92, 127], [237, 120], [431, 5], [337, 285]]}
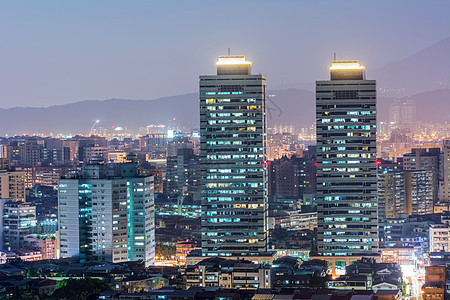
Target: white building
{"points": [[107, 219], [439, 238], [19, 220]]}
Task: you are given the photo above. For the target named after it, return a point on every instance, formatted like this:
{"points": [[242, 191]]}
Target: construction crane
{"points": [[92, 127]]}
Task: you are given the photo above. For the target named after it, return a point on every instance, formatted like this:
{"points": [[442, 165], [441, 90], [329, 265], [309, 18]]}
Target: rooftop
{"points": [[346, 65], [232, 60]]}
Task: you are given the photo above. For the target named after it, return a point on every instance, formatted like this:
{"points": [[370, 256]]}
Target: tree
{"points": [[85, 289], [313, 251]]}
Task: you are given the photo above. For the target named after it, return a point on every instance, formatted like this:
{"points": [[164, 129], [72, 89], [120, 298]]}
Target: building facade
{"points": [[439, 238], [444, 184], [346, 169], [233, 159], [409, 192], [141, 219], [428, 160], [18, 221], [182, 172], [12, 185], [104, 218]]}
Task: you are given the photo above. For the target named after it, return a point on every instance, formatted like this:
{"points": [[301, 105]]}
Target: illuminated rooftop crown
{"points": [[346, 70], [233, 65]]}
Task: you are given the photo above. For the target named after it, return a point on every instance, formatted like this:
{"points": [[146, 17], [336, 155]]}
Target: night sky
{"points": [[56, 52]]}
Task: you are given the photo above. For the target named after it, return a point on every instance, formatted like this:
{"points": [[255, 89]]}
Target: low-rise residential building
{"points": [[225, 273], [141, 283], [47, 245], [298, 220], [398, 255], [435, 283]]}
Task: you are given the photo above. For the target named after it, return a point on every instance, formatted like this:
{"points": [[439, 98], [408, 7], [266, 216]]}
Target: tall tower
{"points": [[233, 160], [346, 170]]}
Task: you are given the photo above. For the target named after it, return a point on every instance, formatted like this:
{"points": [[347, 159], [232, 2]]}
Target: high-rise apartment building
{"points": [[12, 185], [18, 220], [293, 178], [346, 169], [425, 159], [154, 144], [439, 238], [107, 218], [444, 184], [409, 192], [4, 163], [402, 115], [182, 172], [233, 159], [141, 219]]}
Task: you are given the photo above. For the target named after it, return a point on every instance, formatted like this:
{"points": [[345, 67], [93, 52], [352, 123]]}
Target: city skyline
{"points": [[292, 150]]}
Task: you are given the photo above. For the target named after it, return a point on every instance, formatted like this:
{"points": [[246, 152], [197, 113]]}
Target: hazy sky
{"points": [[56, 52]]}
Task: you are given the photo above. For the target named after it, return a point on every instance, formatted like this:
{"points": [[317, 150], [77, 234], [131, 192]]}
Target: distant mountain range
{"points": [[291, 106], [426, 70], [425, 76]]}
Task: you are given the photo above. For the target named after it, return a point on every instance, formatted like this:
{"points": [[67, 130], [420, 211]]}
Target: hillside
{"points": [[285, 106]]}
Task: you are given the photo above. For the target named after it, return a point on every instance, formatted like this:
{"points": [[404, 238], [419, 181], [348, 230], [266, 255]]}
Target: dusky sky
{"points": [[56, 52]]}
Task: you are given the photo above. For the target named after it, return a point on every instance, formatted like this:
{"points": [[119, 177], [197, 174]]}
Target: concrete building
{"points": [[228, 274], [19, 220], [233, 159], [31, 153], [428, 160], [409, 192], [346, 169], [47, 245], [298, 220], [154, 144], [183, 248], [182, 173], [4, 164], [444, 185], [434, 287], [48, 176], [402, 115], [12, 185], [141, 219], [107, 218], [292, 177], [439, 238]]}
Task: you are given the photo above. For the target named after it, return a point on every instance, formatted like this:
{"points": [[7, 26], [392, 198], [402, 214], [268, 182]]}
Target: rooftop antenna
{"points": [[334, 55], [228, 51]]}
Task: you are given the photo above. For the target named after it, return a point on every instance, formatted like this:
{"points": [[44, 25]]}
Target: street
{"points": [[414, 279]]}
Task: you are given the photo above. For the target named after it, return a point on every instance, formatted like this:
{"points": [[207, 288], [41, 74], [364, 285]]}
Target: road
{"points": [[415, 278]]}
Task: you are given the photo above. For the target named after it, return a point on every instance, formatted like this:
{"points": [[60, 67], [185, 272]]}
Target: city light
{"points": [[346, 65], [232, 60]]}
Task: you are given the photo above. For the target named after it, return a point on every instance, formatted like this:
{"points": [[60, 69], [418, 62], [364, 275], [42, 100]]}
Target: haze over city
{"points": [[225, 150], [61, 52]]}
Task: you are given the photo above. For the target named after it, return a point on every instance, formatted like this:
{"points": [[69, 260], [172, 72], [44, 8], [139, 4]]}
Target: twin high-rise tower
{"points": [[233, 160], [346, 170]]}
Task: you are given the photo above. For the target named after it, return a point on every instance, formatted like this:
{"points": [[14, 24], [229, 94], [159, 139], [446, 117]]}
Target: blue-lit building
{"points": [[107, 216], [233, 160], [346, 168]]}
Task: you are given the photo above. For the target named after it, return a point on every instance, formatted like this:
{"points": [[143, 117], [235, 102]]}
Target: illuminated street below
{"points": [[413, 277]]}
